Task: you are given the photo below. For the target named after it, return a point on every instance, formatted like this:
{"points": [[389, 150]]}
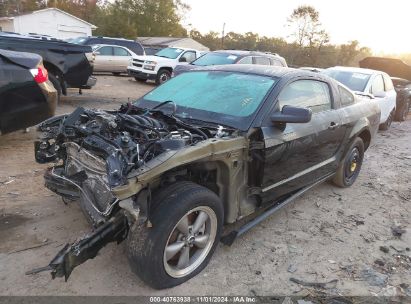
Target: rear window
{"points": [[215, 59]]}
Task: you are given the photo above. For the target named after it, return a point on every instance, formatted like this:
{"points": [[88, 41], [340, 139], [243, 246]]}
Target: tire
{"points": [[140, 79], [350, 165], [57, 85], [402, 113], [146, 247], [386, 125], [116, 73], [162, 76]]}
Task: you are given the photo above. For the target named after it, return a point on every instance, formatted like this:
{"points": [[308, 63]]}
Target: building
{"points": [[50, 21], [156, 43]]}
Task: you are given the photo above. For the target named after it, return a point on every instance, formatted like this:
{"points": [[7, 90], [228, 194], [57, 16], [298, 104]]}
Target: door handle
{"points": [[333, 126]]}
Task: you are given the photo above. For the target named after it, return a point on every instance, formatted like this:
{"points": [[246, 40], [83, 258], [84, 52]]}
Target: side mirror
{"points": [[183, 59], [290, 114], [380, 94], [96, 53]]}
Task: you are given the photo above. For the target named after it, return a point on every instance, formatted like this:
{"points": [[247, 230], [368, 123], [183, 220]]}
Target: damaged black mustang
{"points": [[201, 151]]}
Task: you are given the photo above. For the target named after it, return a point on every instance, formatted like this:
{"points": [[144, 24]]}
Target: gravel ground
{"points": [[329, 233]]}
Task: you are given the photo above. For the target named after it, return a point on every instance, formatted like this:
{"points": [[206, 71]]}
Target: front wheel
{"points": [[350, 165], [187, 223], [162, 76]]}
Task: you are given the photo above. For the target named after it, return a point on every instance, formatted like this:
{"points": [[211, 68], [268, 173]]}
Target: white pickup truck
{"points": [[159, 66]]}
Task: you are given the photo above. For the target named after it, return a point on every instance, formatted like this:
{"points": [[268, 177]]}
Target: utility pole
{"points": [[222, 36]]}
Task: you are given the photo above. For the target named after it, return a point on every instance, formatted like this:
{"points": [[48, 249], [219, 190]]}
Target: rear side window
{"points": [[306, 94], [246, 60], [377, 85], [388, 83], [347, 98], [106, 51], [276, 62], [262, 60], [118, 51]]}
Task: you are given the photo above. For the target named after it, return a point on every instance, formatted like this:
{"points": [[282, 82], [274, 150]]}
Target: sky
{"points": [[384, 26]]}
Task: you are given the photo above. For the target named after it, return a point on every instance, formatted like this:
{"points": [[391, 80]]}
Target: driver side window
{"points": [[311, 94], [189, 56]]}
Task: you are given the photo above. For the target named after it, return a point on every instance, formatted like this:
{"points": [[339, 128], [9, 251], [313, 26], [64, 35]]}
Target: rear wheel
{"points": [[116, 73], [350, 165], [187, 226]]}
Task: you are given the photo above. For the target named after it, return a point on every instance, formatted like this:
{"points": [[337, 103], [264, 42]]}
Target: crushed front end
{"points": [[96, 151]]}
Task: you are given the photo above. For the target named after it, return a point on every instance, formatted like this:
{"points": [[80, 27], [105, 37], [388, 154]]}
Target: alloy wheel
{"points": [[190, 241]]}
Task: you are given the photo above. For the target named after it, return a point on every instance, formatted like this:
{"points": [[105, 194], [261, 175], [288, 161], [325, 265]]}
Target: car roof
{"points": [[262, 70], [356, 70], [245, 53]]}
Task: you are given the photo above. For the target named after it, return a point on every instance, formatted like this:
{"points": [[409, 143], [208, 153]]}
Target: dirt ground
{"points": [[360, 236]]}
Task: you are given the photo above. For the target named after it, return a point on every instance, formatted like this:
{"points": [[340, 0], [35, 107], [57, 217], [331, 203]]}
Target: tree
{"points": [[307, 29], [16, 7]]}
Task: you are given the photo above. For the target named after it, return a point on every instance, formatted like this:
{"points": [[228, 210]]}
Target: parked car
{"points": [[160, 66], [400, 73], [68, 65], [403, 89], [26, 96], [111, 58], [204, 149], [132, 45], [232, 57], [371, 84]]}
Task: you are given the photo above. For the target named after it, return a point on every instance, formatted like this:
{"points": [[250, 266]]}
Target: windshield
{"points": [[226, 98], [171, 53], [353, 80], [215, 59]]}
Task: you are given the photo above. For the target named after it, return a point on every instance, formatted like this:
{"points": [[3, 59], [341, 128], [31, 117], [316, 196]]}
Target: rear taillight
{"points": [[40, 74]]}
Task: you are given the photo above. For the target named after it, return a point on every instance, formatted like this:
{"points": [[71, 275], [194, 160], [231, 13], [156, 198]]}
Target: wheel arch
{"points": [[170, 69], [365, 135]]}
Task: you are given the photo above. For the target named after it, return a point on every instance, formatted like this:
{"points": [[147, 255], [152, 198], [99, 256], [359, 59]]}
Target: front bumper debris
{"points": [[71, 256]]}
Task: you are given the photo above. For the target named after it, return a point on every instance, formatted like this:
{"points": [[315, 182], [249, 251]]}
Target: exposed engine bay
{"points": [[96, 150]]}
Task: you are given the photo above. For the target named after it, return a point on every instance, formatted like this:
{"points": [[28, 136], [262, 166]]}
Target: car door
{"points": [[297, 154], [104, 59], [377, 89], [390, 91], [121, 59]]}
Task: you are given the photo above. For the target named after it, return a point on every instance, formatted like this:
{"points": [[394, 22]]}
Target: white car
{"points": [[371, 84], [159, 66], [111, 58]]}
